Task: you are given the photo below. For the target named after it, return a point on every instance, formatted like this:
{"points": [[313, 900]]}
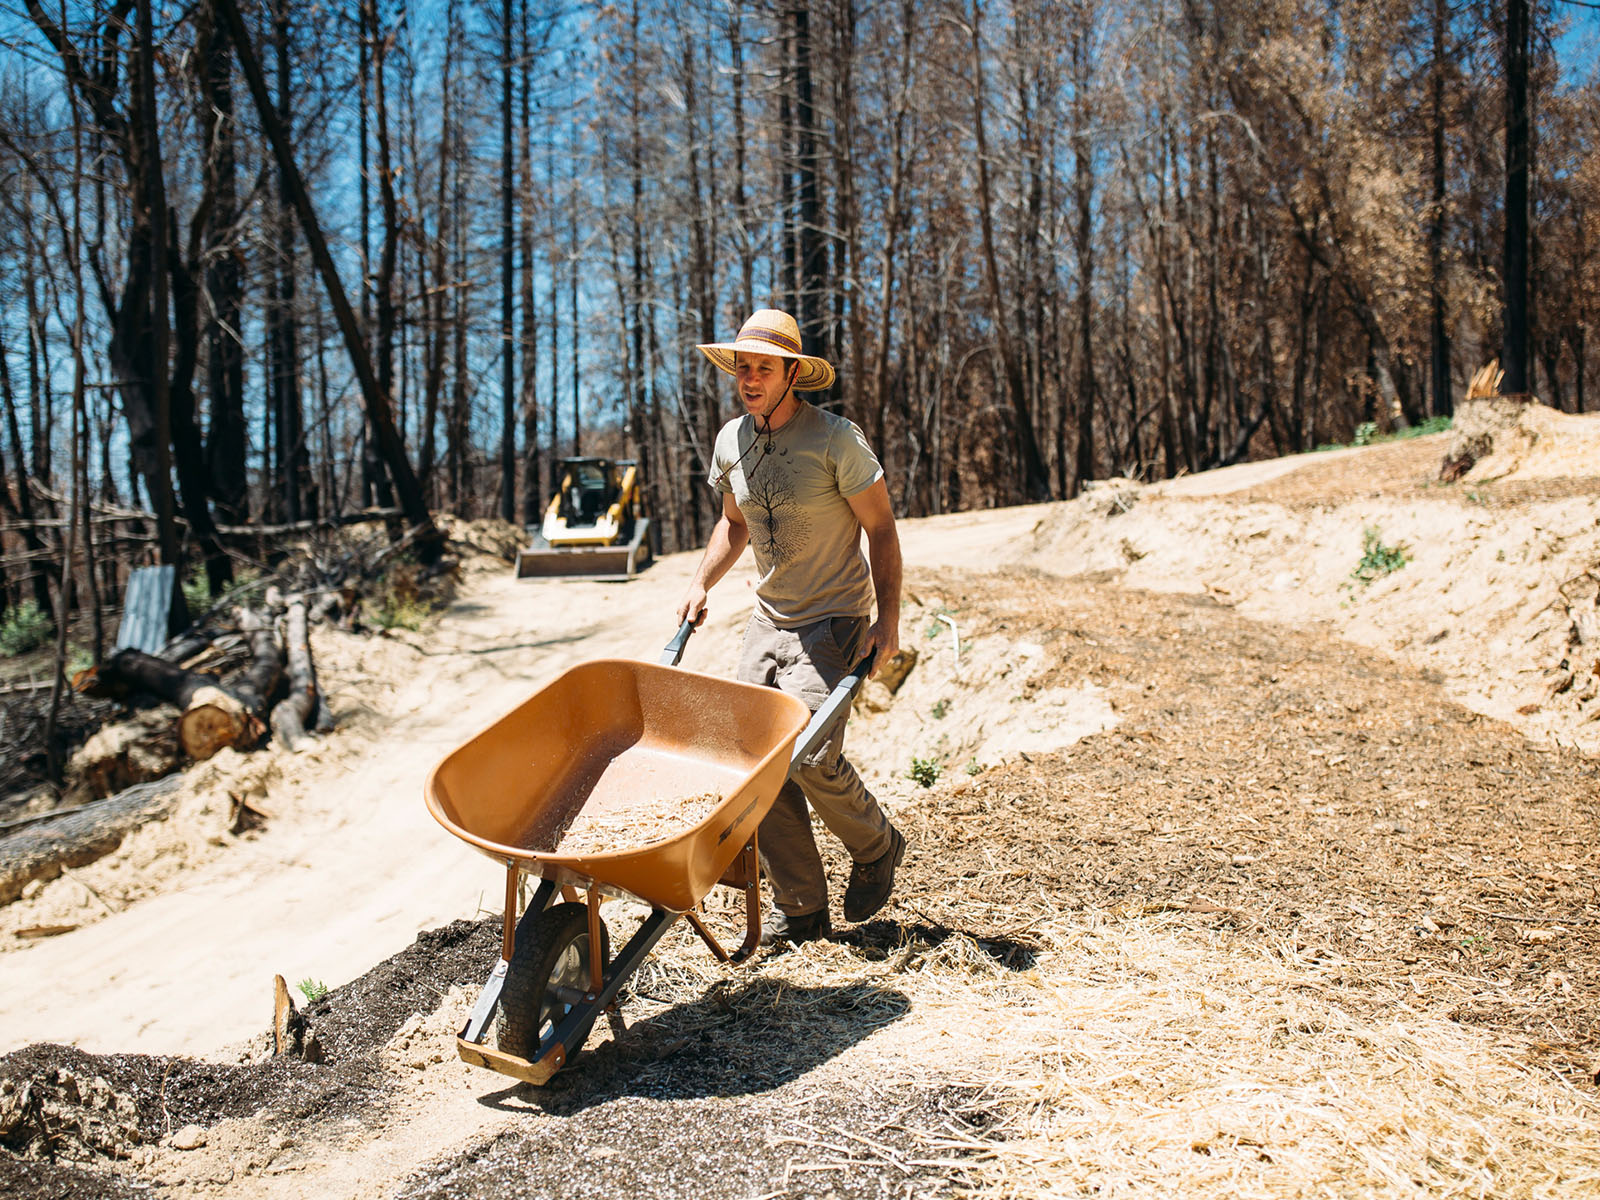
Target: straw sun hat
{"points": [[772, 332]]}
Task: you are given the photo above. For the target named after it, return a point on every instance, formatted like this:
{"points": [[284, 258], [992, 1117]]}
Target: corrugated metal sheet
{"points": [[146, 610]]}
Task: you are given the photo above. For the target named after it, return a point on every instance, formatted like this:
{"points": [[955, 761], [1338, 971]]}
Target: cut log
{"points": [[256, 685], [77, 838], [128, 672], [214, 714], [292, 713], [327, 608], [187, 645], [213, 721]]}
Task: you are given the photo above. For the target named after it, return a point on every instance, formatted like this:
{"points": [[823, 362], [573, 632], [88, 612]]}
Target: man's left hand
{"points": [[884, 637]]}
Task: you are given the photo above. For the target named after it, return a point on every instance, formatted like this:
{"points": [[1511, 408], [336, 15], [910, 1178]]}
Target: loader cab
{"points": [[589, 486], [597, 502]]}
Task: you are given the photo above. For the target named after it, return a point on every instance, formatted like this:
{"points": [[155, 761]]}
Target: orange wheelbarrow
{"points": [[605, 737]]}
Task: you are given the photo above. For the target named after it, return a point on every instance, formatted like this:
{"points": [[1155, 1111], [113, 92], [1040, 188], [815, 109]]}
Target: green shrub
{"points": [[25, 627], [1377, 559], [940, 707], [925, 772], [974, 767], [401, 601], [1367, 434], [312, 989], [1423, 429]]}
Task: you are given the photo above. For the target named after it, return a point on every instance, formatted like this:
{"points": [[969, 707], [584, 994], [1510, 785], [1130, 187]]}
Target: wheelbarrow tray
{"points": [[613, 734]]}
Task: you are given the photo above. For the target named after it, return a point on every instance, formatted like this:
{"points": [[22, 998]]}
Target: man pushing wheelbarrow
{"points": [[799, 485], [643, 781]]}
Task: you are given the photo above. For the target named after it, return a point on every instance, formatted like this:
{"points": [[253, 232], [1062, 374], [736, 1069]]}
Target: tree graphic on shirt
{"points": [[777, 524]]}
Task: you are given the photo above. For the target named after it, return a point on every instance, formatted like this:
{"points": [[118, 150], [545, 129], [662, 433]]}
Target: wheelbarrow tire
{"points": [[553, 953]]}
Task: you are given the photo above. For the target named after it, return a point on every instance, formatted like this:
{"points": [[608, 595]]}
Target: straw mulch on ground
{"points": [[1297, 925]]}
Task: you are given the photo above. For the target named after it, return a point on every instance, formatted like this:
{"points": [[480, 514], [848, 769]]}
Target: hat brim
{"points": [[815, 374]]}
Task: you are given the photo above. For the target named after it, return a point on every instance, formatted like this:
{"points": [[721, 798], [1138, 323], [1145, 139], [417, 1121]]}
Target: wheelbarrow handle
{"points": [[832, 711], [673, 650]]}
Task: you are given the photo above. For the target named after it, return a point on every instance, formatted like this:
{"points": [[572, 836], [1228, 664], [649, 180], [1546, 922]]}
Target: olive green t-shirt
{"points": [[793, 488]]}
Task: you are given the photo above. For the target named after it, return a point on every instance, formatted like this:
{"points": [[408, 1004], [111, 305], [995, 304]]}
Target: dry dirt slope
{"points": [[1259, 886]]}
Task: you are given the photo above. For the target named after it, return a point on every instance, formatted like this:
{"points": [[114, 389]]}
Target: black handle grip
{"points": [[673, 650]]}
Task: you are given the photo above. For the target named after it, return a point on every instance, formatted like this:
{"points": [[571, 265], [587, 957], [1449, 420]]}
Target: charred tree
{"points": [[1438, 336], [508, 270], [223, 277], [1515, 342], [374, 398], [1035, 476]]}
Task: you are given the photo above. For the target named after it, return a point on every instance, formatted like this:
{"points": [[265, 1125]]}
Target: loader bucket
{"points": [[622, 561]]}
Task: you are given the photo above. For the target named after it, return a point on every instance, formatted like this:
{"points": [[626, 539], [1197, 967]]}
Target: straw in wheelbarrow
{"points": [[653, 820]]}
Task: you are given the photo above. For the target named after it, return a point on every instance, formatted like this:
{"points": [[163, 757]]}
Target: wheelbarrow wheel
{"points": [[548, 968]]}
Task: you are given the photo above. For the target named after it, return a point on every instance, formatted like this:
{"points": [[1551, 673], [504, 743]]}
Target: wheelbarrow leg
{"points": [[489, 998], [747, 867], [744, 872]]}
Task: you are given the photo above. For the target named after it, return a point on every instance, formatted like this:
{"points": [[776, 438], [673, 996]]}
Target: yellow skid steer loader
{"points": [[596, 526]]}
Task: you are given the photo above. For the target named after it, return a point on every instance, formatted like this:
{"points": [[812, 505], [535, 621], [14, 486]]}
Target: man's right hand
{"points": [[693, 605]]}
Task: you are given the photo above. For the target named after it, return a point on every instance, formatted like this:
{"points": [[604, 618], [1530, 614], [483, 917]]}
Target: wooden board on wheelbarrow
{"points": [[610, 734]]}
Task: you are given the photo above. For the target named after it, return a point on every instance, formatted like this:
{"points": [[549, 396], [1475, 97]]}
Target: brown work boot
{"points": [[779, 926], [871, 882]]}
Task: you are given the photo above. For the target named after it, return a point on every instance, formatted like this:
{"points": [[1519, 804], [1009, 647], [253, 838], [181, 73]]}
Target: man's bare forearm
{"points": [[728, 540], [883, 550], [726, 544]]}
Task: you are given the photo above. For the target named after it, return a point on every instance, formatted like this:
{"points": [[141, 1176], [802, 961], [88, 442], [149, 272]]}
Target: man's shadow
{"points": [[748, 1034]]}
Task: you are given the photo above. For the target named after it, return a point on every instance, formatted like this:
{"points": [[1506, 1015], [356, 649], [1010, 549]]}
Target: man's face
{"points": [[762, 380]]}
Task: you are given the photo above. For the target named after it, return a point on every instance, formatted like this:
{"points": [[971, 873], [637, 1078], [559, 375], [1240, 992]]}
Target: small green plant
{"points": [[78, 660], [312, 989], [197, 592], [399, 612], [1477, 497], [940, 707], [1377, 559], [401, 602], [1365, 433], [974, 767], [925, 772], [935, 626], [25, 627]]}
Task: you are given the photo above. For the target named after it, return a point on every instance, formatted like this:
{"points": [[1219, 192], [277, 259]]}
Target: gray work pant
{"points": [[806, 663]]}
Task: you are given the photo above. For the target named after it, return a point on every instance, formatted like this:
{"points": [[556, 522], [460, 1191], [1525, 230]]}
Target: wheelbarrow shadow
{"points": [[739, 1037], [744, 1035]]}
